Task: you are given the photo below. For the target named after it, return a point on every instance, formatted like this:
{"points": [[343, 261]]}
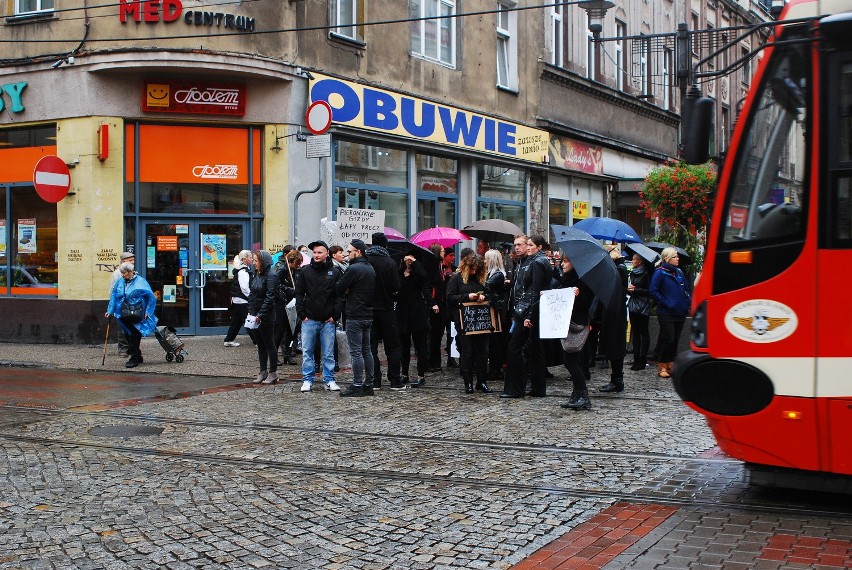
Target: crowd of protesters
{"points": [[365, 294]]}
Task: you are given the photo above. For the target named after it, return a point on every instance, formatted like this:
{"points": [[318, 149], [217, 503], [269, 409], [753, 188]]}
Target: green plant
{"points": [[678, 196]]}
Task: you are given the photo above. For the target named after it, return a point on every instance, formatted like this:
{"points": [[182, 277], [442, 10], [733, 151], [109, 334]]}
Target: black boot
{"points": [[616, 384], [451, 362], [481, 385], [467, 375], [353, 391], [579, 401]]}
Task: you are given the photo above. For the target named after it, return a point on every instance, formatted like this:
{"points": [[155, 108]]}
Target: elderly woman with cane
{"points": [[132, 303]]}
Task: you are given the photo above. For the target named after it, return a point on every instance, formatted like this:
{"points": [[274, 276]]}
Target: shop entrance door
{"points": [[188, 266]]}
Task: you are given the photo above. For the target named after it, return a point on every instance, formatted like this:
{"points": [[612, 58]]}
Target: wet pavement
{"points": [[186, 466]]}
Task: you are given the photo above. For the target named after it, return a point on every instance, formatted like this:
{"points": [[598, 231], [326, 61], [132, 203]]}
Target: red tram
{"points": [[770, 364]]}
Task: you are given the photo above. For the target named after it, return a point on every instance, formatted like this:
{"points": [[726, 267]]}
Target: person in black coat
{"points": [[358, 284], [639, 308], [287, 269], [411, 317], [264, 284], [615, 329], [384, 319], [574, 361], [532, 277], [496, 283], [435, 293], [468, 286]]}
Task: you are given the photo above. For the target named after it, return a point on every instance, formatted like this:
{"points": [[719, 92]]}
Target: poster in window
{"points": [[151, 257], [372, 201], [27, 236], [352, 198], [2, 237], [169, 293], [213, 256]]}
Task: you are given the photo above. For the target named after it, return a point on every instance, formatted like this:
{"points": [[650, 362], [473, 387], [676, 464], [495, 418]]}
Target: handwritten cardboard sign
{"points": [[353, 223], [479, 318], [555, 308]]}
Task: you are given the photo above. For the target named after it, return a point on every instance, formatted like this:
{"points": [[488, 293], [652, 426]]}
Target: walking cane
{"points": [[106, 339]]}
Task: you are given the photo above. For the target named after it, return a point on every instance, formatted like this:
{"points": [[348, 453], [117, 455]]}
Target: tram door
{"points": [[188, 266]]}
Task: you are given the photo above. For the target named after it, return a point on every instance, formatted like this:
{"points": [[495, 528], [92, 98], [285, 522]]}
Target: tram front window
{"points": [[768, 195]]}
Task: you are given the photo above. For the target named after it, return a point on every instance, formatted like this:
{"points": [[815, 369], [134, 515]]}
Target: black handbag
{"points": [[131, 312]]}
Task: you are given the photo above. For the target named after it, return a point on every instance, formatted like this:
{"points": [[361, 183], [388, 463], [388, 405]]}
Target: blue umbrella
{"points": [[609, 229]]}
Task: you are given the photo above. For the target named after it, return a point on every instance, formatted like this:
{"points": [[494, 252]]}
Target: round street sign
{"points": [[51, 178], [318, 117]]}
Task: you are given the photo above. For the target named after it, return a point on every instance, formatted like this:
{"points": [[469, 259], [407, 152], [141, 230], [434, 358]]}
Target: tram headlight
{"points": [[699, 325]]}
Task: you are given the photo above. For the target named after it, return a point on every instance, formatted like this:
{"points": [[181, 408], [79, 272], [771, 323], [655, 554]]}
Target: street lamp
{"points": [[596, 9]]}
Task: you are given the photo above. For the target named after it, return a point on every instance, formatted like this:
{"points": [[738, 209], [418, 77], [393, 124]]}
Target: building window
{"points": [[502, 193], [746, 72], [345, 18], [434, 38], [556, 35], [620, 55], [667, 78], [507, 47], [30, 6]]}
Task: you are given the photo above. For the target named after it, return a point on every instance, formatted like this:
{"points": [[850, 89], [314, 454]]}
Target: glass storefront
{"points": [[501, 193], [437, 191]]}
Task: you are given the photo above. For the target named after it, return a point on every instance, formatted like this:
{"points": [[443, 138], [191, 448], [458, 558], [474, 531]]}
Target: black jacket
{"points": [[582, 302], [458, 292], [411, 312], [532, 277], [263, 287], [358, 286], [640, 297], [316, 297], [387, 278]]}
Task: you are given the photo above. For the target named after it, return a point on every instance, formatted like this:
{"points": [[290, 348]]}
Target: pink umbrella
{"points": [[306, 259], [447, 237], [393, 235]]}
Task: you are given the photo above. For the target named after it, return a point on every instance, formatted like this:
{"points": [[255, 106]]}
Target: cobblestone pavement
{"points": [[268, 477]]}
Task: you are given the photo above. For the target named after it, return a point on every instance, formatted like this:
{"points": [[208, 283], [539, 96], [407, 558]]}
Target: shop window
{"points": [[28, 250], [502, 194], [433, 39], [559, 213], [437, 191], [30, 6]]}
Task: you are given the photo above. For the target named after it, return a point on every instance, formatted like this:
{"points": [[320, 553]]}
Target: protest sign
{"points": [[555, 308], [353, 223]]}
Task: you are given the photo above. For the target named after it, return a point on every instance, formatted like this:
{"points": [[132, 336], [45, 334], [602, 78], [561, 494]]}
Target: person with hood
{"points": [[287, 268], [532, 277], [264, 285], [639, 307], [384, 318], [614, 334], [358, 285], [318, 307], [240, 289], [133, 289], [670, 291], [129, 257], [412, 318]]}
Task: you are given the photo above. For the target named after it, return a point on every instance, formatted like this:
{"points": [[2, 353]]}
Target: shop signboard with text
{"points": [[573, 155], [193, 97], [392, 113]]}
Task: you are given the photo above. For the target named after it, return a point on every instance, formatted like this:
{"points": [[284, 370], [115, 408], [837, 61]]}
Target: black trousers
{"points": [[266, 353], [436, 333], [384, 326], [515, 374], [134, 339], [574, 364], [419, 339], [239, 311], [473, 355], [282, 335], [641, 337], [670, 329]]}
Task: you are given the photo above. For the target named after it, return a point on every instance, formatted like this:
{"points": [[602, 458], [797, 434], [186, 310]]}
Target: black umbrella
{"points": [[592, 263], [658, 246], [649, 255], [493, 231], [398, 249]]}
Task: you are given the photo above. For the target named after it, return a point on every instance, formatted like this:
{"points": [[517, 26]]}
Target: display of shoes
{"points": [[306, 386], [230, 343], [332, 386]]}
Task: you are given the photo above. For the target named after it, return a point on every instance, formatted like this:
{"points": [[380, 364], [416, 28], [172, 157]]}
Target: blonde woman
{"points": [[497, 284], [467, 285]]}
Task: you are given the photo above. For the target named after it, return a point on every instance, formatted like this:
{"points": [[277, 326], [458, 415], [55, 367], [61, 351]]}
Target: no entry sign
{"points": [[51, 178]]}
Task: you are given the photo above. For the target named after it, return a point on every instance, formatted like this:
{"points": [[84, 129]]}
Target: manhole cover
{"points": [[126, 431]]}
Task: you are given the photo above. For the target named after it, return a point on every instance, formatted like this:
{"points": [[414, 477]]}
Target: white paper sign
{"points": [[555, 310], [358, 224], [27, 236]]}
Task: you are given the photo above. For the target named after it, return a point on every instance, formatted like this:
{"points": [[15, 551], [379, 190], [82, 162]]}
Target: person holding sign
{"points": [[574, 361], [467, 297]]}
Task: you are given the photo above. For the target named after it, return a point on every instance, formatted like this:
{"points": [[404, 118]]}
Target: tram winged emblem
{"points": [[761, 322]]}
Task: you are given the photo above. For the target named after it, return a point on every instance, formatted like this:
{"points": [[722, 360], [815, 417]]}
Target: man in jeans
{"points": [[318, 307], [384, 317], [358, 284]]}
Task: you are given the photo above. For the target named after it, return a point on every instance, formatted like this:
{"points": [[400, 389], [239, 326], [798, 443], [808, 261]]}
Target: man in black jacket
{"points": [[318, 307], [358, 284], [384, 319]]}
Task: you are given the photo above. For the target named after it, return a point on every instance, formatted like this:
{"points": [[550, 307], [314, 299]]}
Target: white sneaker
{"points": [[332, 386], [229, 343], [306, 386]]}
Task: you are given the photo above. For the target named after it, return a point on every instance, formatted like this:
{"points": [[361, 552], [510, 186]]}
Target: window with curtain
{"points": [[507, 47], [433, 38]]}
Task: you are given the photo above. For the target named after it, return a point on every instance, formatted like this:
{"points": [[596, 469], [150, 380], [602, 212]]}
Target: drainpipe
{"points": [[296, 201]]}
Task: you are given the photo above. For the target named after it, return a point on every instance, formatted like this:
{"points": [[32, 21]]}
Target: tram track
{"points": [[598, 493]]}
